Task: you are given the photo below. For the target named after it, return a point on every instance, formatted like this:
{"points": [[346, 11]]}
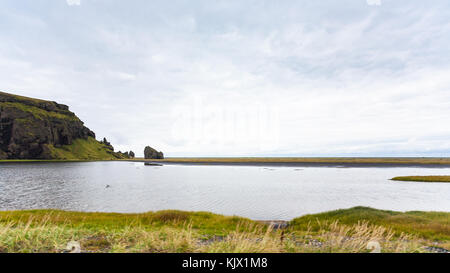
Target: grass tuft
{"points": [[429, 225]]}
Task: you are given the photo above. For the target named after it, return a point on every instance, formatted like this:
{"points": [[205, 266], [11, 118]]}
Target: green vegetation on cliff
{"points": [[177, 231], [23, 98], [38, 112], [83, 149]]}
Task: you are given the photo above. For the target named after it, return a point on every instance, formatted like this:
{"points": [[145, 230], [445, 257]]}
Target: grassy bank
{"points": [[428, 225], [177, 231], [432, 178], [330, 160]]}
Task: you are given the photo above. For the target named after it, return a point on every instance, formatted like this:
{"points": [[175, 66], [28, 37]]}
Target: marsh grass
{"points": [[335, 237], [431, 178], [175, 231], [427, 225]]}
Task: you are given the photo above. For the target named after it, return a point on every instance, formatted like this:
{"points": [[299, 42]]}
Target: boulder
{"points": [[150, 153]]}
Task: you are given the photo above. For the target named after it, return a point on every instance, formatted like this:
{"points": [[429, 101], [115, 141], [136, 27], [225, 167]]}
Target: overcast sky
{"points": [[237, 77]]}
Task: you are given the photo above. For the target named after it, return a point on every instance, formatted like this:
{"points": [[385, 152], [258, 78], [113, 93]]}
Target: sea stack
{"points": [[150, 153]]}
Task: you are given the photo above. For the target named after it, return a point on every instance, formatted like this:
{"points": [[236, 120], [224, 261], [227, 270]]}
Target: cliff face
{"points": [[39, 129]]}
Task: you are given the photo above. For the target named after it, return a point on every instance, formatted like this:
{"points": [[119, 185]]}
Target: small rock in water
{"points": [[107, 186], [152, 164]]}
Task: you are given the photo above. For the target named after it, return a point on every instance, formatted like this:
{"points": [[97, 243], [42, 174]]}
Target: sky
{"points": [[240, 77]]}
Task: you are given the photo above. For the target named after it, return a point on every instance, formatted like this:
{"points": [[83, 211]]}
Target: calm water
{"points": [[255, 192]]}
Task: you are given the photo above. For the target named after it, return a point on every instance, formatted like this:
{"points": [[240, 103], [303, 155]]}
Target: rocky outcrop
{"points": [[123, 155], [150, 153], [107, 145], [30, 128], [110, 150]]}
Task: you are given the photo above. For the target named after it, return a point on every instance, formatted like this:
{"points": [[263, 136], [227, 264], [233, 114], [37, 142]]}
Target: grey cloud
{"points": [[344, 76]]}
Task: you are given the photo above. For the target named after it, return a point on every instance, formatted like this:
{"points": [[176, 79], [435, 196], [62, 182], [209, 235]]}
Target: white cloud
{"points": [[373, 2], [73, 2], [291, 79]]}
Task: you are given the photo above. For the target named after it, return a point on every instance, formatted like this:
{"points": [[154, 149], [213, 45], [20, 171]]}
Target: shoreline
{"points": [[335, 162], [305, 162], [309, 164]]}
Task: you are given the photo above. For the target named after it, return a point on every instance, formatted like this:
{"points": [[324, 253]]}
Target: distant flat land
{"points": [[309, 161], [431, 178], [428, 162]]}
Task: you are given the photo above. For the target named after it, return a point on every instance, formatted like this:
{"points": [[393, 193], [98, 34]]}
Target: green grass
{"points": [[207, 222], [39, 113], [179, 231], [23, 98], [431, 178], [430, 225], [82, 149], [333, 160]]}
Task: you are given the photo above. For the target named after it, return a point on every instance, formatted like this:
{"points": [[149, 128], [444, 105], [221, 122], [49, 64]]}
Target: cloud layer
{"points": [[240, 78]]}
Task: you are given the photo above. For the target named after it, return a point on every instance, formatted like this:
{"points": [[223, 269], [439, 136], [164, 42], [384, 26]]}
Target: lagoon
{"points": [[256, 192]]}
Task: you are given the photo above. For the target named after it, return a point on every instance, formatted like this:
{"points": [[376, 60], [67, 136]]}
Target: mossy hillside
{"points": [[430, 225], [23, 98], [35, 129], [39, 113], [83, 149]]}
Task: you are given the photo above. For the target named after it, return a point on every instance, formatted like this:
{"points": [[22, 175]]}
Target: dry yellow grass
{"points": [[46, 237], [431, 178], [50, 232]]}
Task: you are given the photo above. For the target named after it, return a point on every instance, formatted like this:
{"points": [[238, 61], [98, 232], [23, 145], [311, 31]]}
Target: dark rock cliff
{"points": [[29, 128]]}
